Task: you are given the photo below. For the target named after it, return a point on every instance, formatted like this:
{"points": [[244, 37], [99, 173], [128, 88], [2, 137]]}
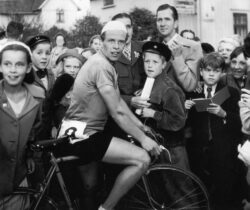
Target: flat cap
{"points": [[157, 48], [35, 40]]}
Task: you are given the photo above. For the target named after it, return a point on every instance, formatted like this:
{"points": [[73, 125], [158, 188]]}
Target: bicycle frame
{"points": [[44, 185]]}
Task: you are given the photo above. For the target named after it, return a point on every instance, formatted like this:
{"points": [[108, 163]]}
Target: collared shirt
{"points": [[212, 92]]}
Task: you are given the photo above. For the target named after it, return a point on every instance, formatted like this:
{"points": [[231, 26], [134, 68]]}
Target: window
{"points": [[240, 24], [59, 15], [108, 2]]}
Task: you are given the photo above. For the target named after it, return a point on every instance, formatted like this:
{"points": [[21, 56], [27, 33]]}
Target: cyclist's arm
{"points": [[119, 113], [137, 122]]}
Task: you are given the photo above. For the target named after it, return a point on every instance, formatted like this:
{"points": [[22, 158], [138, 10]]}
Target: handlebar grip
{"points": [[48, 143]]}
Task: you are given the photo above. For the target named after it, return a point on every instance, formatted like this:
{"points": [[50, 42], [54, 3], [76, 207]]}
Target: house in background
{"points": [[47, 13], [211, 20]]}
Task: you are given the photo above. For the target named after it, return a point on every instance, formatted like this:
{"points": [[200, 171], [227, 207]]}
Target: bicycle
{"points": [[38, 199], [158, 189], [152, 192]]}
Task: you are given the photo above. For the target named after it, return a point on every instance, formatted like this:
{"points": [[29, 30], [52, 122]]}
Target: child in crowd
{"points": [[20, 114], [166, 113], [95, 42], [216, 133], [70, 63], [40, 47]]}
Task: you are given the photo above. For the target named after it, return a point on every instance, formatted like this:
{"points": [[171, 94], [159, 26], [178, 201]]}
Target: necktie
{"points": [[127, 53], [209, 92], [209, 95], [41, 73]]}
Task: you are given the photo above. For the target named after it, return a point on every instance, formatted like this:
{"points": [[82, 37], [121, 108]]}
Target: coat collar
{"points": [[34, 93]]}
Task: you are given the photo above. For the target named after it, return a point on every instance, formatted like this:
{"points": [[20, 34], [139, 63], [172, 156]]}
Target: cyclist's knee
{"points": [[144, 160]]}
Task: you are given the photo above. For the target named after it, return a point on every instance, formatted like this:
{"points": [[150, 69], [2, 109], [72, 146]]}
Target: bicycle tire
{"points": [[26, 200], [164, 191]]}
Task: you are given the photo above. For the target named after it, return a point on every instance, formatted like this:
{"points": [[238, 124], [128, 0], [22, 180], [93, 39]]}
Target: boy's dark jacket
{"points": [[226, 133], [167, 99]]}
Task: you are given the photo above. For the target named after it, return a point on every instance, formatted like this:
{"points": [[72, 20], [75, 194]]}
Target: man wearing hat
{"points": [[183, 68], [96, 95]]}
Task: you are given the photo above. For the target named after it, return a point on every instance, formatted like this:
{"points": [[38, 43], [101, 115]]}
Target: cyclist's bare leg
{"points": [[137, 159], [90, 178]]}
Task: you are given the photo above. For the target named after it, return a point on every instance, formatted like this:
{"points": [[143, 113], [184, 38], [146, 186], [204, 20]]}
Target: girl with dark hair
{"points": [[20, 117]]}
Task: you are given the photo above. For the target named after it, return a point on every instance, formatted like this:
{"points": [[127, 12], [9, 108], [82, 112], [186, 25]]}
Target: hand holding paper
{"points": [[202, 104], [146, 91], [216, 110]]}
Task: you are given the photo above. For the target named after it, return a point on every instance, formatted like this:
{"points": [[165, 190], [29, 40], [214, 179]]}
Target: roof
{"points": [[19, 6]]}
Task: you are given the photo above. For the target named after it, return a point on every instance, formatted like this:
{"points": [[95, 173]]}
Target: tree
{"points": [[144, 23], [85, 28], [31, 27]]}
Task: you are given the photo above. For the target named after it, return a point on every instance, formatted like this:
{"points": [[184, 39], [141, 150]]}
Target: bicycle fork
{"points": [[150, 198]]}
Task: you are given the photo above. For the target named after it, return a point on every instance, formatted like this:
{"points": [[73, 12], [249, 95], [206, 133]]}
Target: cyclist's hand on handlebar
{"points": [[151, 146]]}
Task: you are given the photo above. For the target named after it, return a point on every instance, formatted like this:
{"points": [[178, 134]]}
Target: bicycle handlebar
{"points": [[39, 145]]}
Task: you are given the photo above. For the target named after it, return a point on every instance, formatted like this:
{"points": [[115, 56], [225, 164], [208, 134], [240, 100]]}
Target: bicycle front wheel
{"points": [[25, 199], [165, 187]]}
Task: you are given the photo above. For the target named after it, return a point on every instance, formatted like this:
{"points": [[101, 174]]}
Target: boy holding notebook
{"points": [[216, 132]]}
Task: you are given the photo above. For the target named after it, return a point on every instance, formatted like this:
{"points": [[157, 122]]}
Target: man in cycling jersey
{"points": [[95, 96]]}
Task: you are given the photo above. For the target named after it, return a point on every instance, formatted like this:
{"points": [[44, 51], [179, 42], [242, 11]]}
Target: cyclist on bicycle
{"points": [[95, 95]]}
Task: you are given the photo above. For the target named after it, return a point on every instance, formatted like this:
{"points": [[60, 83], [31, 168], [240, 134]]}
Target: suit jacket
{"points": [[184, 69], [131, 74], [226, 133], [15, 133]]}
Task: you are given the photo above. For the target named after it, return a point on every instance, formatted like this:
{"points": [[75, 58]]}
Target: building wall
{"points": [[71, 14], [4, 20], [216, 19]]}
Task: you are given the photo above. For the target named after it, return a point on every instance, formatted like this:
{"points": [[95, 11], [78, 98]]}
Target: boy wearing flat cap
{"points": [[40, 47], [166, 114]]}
